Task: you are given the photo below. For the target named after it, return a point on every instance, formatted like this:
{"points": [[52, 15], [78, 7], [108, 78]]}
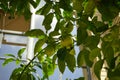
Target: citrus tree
{"points": [[98, 35]]}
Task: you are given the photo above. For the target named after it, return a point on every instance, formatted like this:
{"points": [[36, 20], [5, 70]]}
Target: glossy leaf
{"points": [[41, 58], [81, 35], [18, 61], [89, 7], [97, 68], [20, 52], [49, 50], [69, 27], [10, 55], [45, 9], [61, 54], [72, 51], [81, 78], [115, 78], [8, 61], [38, 45], [54, 59], [36, 33], [51, 69], [101, 26], [15, 74], [65, 5], [57, 11], [80, 59], [83, 58], [94, 53], [67, 15], [47, 21], [61, 65], [114, 74], [44, 68], [34, 4], [88, 62], [71, 62], [108, 53], [77, 5], [89, 41], [59, 25], [106, 7], [54, 33]]}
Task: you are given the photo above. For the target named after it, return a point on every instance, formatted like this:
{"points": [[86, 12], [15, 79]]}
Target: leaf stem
{"points": [[19, 78]]}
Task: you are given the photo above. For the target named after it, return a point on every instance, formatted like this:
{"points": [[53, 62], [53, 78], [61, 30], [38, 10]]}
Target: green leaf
{"points": [[54, 59], [49, 50], [81, 78], [69, 27], [68, 15], [72, 51], [114, 74], [10, 55], [92, 41], [57, 26], [71, 62], [38, 45], [48, 68], [16, 73], [36, 33], [106, 7], [20, 52], [94, 53], [115, 78], [51, 69], [80, 58], [60, 26], [8, 61], [83, 58], [57, 11], [45, 70], [54, 33], [81, 35], [61, 65], [18, 61], [100, 26], [65, 5], [89, 7], [39, 11], [108, 52], [33, 3], [97, 68], [61, 53], [77, 5], [47, 21], [87, 60], [46, 8], [37, 2]]}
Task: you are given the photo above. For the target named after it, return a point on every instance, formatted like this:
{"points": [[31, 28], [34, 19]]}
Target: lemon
{"points": [[67, 41]]}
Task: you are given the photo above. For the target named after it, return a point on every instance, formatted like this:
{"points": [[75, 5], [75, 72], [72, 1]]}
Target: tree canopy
{"points": [[98, 35]]}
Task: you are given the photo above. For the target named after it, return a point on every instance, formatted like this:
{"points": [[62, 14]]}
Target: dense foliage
{"points": [[97, 35]]}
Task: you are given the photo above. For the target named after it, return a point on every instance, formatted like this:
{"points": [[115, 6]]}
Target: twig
{"points": [[19, 78]]}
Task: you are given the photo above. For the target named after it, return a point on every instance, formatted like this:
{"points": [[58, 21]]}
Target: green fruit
{"points": [[67, 41]]}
